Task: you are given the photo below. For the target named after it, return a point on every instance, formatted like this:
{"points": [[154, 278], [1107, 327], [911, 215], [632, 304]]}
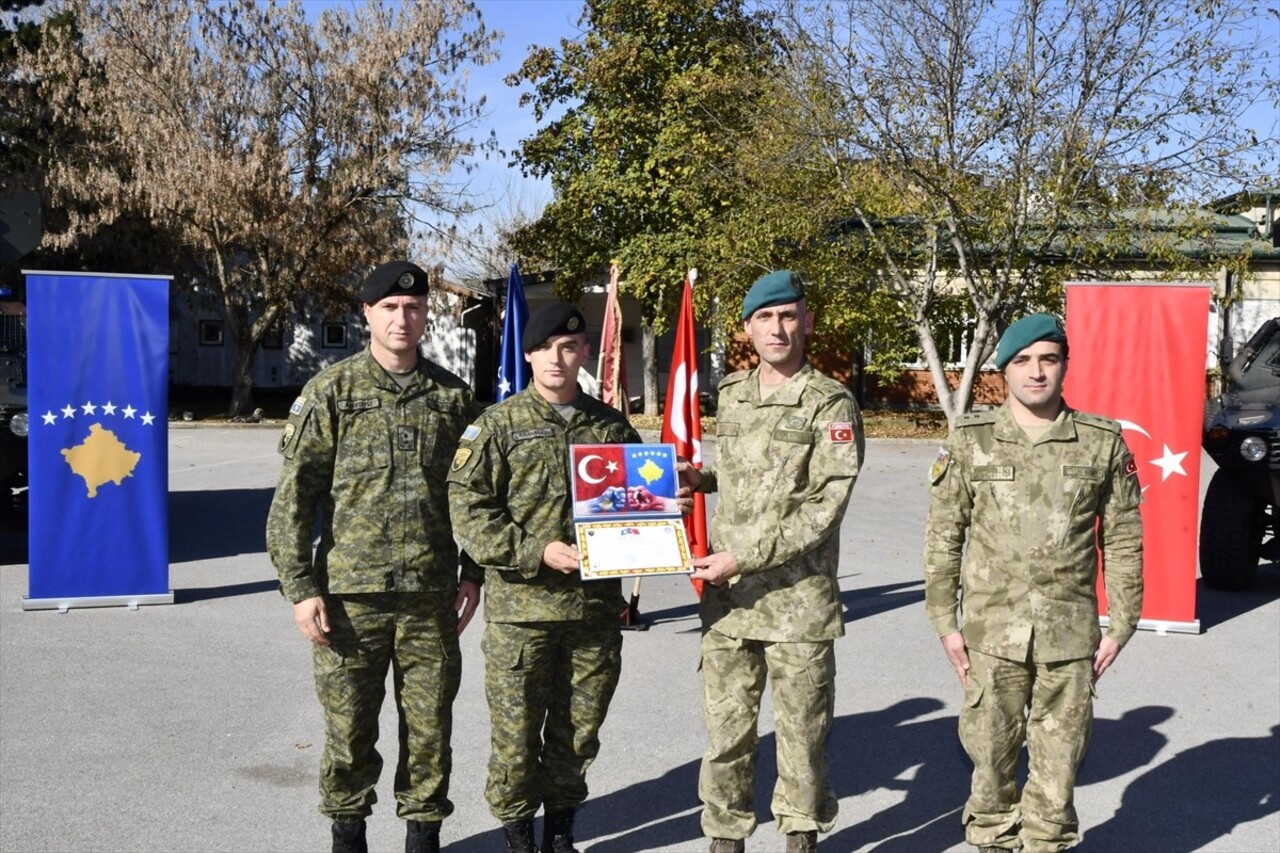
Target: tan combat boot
{"points": [[802, 842], [727, 845]]}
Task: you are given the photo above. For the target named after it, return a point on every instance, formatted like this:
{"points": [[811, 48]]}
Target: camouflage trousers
{"points": [[1050, 708], [733, 679], [549, 685], [415, 636]]}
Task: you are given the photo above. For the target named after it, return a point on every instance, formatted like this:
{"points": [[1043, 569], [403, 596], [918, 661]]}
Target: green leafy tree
{"points": [[634, 118], [289, 153], [990, 149]]}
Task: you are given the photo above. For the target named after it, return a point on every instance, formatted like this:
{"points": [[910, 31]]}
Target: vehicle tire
{"points": [[1232, 525]]}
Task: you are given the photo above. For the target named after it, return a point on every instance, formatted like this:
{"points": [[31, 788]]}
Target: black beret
{"points": [[558, 318], [398, 278], [1025, 332]]}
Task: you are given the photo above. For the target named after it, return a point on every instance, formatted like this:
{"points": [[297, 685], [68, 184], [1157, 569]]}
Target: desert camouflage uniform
{"points": [[785, 467], [372, 458], [552, 642], [1029, 604]]}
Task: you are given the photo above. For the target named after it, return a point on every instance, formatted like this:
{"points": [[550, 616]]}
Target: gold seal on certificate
{"points": [[626, 517]]}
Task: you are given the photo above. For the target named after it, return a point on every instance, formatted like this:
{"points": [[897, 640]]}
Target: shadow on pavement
{"points": [[895, 749], [1195, 798], [1214, 607], [869, 601], [211, 524], [206, 593]]}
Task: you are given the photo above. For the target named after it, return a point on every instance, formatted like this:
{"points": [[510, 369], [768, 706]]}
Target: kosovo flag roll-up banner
{"points": [[98, 368]]}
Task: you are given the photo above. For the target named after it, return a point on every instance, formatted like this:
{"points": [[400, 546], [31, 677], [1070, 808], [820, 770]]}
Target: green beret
{"points": [[1025, 332], [776, 288], [398, 278], [558, 318]]}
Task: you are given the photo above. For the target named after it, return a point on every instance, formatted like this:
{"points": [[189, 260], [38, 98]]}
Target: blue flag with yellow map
{"points": [[98, 365]]}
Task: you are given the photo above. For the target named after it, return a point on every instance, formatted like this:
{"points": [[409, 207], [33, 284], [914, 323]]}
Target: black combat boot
{"points": [[348, 837], [519, 836], [557, 832], [422, 836]]}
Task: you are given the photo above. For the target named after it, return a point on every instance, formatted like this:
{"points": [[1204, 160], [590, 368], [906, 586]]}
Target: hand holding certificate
{"points": [[627, 518]]}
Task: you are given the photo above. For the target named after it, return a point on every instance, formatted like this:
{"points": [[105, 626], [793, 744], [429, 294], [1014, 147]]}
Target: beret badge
{"points": [[405, 280]]}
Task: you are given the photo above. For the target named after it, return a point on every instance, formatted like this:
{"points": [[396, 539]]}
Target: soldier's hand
{"points": [[684, 500], [1106, 654], [561, 557], [312, 619], [953, 645], [689, 475], [715, 569], [465, 603]]}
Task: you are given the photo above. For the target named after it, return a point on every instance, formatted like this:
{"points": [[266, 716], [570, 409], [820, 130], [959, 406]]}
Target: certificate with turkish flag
{"points": [[1138, 354], [626, 517]]}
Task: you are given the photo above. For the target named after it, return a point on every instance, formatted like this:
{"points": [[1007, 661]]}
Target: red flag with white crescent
{"points": [[1138, 355], [682, 420]]}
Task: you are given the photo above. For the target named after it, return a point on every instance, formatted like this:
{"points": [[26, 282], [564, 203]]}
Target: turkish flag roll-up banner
{"points": [[1138, 356], [682, 420], [98, 358]]}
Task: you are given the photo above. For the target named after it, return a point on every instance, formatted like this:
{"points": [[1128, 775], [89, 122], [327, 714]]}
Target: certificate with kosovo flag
{"points": [[98, 362], [626, 517]]}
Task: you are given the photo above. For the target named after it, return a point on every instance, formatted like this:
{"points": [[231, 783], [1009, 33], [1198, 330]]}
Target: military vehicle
{"points": [[1242, 435]]}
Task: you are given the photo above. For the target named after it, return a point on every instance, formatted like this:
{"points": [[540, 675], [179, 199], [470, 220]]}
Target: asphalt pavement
{"points": [[194, 726]]}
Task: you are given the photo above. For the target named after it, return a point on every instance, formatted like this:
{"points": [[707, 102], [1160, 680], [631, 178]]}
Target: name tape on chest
{"points": [[358, 405], [529, 434]]}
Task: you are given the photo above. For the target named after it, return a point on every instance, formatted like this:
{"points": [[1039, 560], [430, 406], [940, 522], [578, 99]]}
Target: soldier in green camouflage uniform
{"points": [[552, 642], [790, 445], [1026, 485], [368, 445]]}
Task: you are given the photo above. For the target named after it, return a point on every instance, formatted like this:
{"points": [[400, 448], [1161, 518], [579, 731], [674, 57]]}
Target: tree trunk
{"points": [[649, 355], [242, 379]]}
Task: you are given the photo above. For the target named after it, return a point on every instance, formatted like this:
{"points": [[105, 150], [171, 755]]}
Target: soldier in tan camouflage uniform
{"points": [[790, 445], [368, 445], [1026, 485], [552, 642]]}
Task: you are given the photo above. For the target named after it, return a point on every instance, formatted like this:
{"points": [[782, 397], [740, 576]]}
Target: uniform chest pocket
{"points": [[1082, 485], [365, 441], [537, 464]]}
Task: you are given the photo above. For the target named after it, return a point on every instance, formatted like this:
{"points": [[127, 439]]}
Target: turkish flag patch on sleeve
{"points": [[841, 433]]}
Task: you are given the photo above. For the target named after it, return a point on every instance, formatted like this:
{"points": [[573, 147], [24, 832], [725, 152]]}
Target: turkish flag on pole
{"points": [[682, 420], [612, 367], [1138, 355]]}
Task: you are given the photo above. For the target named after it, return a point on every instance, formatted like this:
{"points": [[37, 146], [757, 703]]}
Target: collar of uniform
{"points": [[1007, 429], [786, 394], [382, 378], [544, 407]]}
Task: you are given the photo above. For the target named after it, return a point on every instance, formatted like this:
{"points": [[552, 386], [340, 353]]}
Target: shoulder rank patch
{"points": [[296, 408], [841, 432], [460, 458], [938, 469], [471, 433]]}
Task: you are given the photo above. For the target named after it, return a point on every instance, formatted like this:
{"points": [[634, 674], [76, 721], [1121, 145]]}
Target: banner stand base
{"points": [[1161, 626], [62, 605]]}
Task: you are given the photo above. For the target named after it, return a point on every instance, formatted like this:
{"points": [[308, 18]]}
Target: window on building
{"points": [[211, 333], [274, 338], [334, 336]]}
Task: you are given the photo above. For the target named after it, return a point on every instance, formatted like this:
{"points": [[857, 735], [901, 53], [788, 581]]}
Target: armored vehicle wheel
{"points": [[1232, 527]]}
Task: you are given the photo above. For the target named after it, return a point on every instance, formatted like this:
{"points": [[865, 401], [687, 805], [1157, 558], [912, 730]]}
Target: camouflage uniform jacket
{"points": [[1029, 512], [373, 459], [509, 496], [785, 467]]}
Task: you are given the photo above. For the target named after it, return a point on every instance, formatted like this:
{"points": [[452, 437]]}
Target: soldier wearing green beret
{"points": [[1027, 486], [552, 643], [790, 445], [367, 447]]}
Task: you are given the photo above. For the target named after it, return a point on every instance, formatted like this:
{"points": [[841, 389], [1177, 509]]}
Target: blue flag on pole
{"points": [[98, 358], [513, 370]]}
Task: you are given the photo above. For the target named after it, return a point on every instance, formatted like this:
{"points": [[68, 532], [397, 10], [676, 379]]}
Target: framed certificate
{"points": [[626, 518], [644, 546]]}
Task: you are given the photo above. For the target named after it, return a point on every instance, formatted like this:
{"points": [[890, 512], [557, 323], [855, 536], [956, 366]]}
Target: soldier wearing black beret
{"points": [[552, 643], [367, 446]]}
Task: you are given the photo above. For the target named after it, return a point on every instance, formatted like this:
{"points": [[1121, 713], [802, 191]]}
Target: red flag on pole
{"points": [[1138, 355], [682, 421], [612, 368]]}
